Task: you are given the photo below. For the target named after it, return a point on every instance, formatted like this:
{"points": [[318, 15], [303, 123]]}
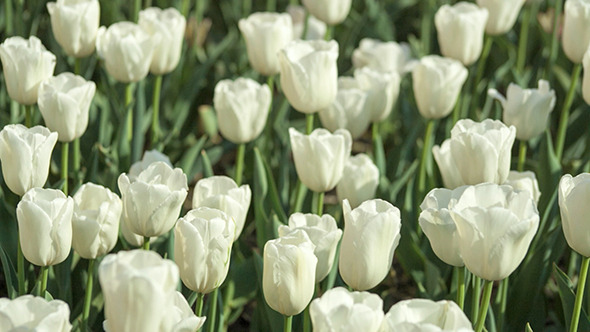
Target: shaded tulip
{"points": [[477, 152], [64, 101], [309, 74], [25, 64], [167, 28], [75, 25], [382, 89], [460, 31], [202, 248], [383, 56], [502, 14], [426, 315], [316, 29], [288, 276], [496, 225], [359, 182], [265, 35], [95, 225], [25, 154], [574, 194], [152, 201], [525, 181], [437, 82], [371, 234], [45, 226], [323, 233], [33, 313], [331, 12], [526, 109], [340, 310], [222, 193], [586, 78], [320, 157], [242, 107], [575, 37]]}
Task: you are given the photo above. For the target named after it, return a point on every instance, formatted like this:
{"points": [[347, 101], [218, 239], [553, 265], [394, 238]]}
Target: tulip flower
{"points": [[502, 14], [575, 37], [524, 181], [426, 315], [75, 25], [316, 29], [437, 82], [30, 313], [460, 31], [152, 201], [222, 193], [323, 233], [383, 56], [64, 102], [477, 152], [265, 35], [242, 108], [320, 157], [149, 157], [340, 310], [359, 182], [574, 193], [331, 12], [371, 234], [382, 89], [25, 64], [309, 75]]}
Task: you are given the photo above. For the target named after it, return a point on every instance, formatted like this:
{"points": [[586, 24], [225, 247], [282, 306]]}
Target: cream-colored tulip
{"points": [[426, 315], [167, 27], [502, 14], [331, 12], [575, 37], [574, 194], [382, 91], [149, 157], [359, 182], [383, 56], [525, 181], [316, 29], [75, 25], [30, 313]]}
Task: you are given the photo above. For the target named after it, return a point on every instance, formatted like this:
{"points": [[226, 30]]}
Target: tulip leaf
{"points": [[528, 328], [269, 320], [207, 168], [568, 296], [189, 159], [274, 193], [9, 274]]}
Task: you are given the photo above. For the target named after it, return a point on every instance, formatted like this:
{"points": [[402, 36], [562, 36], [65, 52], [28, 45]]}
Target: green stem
{"points": [[199, 305], [300, 192], [308, 123], [146, 243], [185, 7], [561, 132], [522, 40], [29, 116], [481, 66], [485, 302], [8, 18], [240, 163], [78, 66], [128, 100], [320, 203], [288, 324], [136, 9], [306, 320], [65, 146], [21, 270], [503, 299], [554, 39], [475, 296], [156, 110], [88, 297], [329, 32], [425, 154], [457, 110], [271, 5], [213, 313], [426, 25], [270, 81], [76, 160], [579, 294], [44, 274], [378, 153], [461, 286], [521, 156]]}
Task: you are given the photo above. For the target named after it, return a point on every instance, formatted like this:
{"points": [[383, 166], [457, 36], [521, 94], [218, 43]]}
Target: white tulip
{"points": [[525, 181], [359, 182], [574, 193], [382, 89], [426, 315], [383, 56], [167, 28], [502, 14], [75, 25], [149, 157], [316, 29], [331, 12], [30, 313], [575, 37]]}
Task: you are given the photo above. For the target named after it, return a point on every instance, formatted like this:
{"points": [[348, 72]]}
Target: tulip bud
{"points": [[152, 201], [339, 310], [526, 109], [382, 89], [288, 276], [127, 51], [265, 35], [75, 25], [371, 234], [95, 225], [323, 233], [575, 37], [202, 248], [477, 152], [25, 63], [320, 157], [496, 225], [45, 226], [524, 181], [30, 313], [586, 79], [331, 12], [574, 195], [359, 182], [309, 74], [437, 82], [316, 29], [222, 193], [460, 31], [25, 154], [167, 27], [426, 315], [64, 102], [502, 14], [383, 56], [242, 107]]}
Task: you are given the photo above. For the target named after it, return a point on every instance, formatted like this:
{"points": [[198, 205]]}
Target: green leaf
{"points": [[274, 194], [568, 297], [9, 274]]}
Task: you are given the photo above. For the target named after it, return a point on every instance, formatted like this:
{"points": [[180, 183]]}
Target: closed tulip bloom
{"points": [[242, 108], [202, 248], [320, 157], [331, 12], [95, 224], [477, 152], [288, 277], [33, 313], [309, 74], [149, 157], [316, 29], [460, 31], [526, 109], [127, 51], [382, 89], [383, 56], [426, 315], [25, 64], [339, 310], [502, 14], [586, 79], [496, 225], [359, 182], [265, 35], [222, 193], [371, 234], [323, 233], [152, 201], [525, 181], [75, 25], [45, 226], [437, 82], [575, 37], [64, 101], [25, 154], [574, 193], [167, 27]]}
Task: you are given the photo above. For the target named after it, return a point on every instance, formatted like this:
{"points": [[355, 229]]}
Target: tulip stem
{"points": [[65, 146], [156, 110], [503, 290], [522, 40], [29, 116], [485, 302], [213, 313], [521, 156], [44, 273], [457, 110], [240, 163], [146, 243], [481, 66], [329, 32], [78, 66], [476, 292], [579, 294], [128, 100], [461, 286], [21, 270], [88, 296], [554, 39], [320, 203], [76, 160], [565, 112], [308, 123], [300, 192], [136, 9], [199, 305], [288, 324], [270, 81], [425, 154]]}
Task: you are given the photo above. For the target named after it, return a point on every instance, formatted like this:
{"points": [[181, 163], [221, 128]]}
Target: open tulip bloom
{"points": [[425, 315], [383, 56], [30, 313]]}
